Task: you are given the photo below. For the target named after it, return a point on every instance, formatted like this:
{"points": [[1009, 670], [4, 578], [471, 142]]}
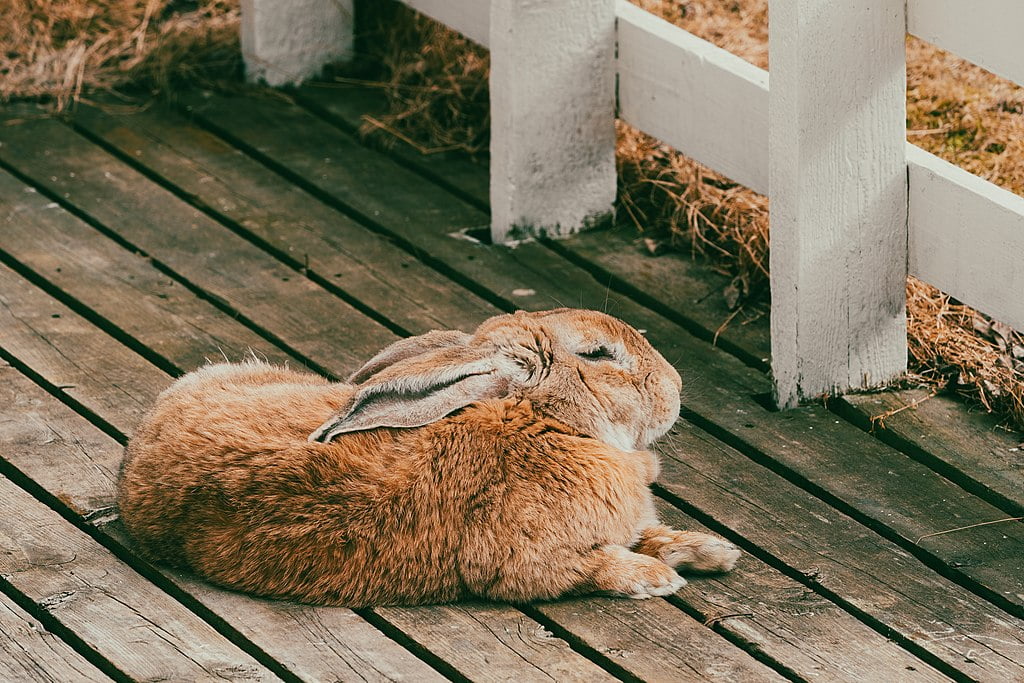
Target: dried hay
{"points": [[956, 110], [56, 49], [434, 79]]}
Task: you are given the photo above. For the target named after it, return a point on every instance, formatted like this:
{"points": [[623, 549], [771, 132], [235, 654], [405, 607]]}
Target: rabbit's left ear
{"points": [[407, 348], [422, 389]]}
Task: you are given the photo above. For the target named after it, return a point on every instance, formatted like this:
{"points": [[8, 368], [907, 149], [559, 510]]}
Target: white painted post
{"points": [[838, 186], [552, 115], [287, 41]]}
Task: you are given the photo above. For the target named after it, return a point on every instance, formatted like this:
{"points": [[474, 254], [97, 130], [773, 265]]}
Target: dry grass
{"points": [[57, 49], [435, 82], [956, 110]]}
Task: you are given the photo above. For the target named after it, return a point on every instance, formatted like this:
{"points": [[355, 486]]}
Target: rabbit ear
{"points": [[422, 389], [407, 348]]}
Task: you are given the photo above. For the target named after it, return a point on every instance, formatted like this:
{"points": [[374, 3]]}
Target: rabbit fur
{"points": [[509, 464]]}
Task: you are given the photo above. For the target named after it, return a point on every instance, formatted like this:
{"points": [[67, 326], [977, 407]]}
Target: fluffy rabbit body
{"points": [[508, 464]]}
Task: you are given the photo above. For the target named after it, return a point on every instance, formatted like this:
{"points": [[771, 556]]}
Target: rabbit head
{"points": [[585, 369]]}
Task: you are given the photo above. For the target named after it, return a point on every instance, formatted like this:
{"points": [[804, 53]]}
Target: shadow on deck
{"points": [[134, 247]]}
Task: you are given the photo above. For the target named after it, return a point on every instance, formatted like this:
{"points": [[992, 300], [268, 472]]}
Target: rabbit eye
{"points": [[598, 353]]}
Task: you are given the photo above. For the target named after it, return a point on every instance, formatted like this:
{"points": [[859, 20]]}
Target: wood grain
{"points": [[295, 225], [121, 287], [70, 353], [313, 322], [833, 551], [30, 653], [349, 106], [59, 449], [141, 630], [522, 649], [771, 613], [965, 445]]}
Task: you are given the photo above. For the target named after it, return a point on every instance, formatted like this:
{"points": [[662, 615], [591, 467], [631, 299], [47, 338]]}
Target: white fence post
{"points": [[552, 115], [287, 41], [838, 186]]}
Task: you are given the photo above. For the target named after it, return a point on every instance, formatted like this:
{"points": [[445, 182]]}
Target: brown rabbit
{"points": [[508, 464]]}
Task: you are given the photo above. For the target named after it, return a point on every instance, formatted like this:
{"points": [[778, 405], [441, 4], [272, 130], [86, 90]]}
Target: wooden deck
{"points": [[134, 247]]}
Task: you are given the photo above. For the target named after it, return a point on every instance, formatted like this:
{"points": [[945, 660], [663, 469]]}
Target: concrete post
{"points": [[285, 42], [838, 185], [552, 115]]}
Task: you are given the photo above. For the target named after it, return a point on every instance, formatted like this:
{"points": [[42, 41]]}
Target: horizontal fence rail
{"points": [[472, 18], [967, 236], [695, 96], [964, 234], [989, 33]]}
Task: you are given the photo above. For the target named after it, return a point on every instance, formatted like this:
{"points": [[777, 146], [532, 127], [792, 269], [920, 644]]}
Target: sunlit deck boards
{"points": [[134, 247]]}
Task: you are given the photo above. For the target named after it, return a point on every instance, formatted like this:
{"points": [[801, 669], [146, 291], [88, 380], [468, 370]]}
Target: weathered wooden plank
{"points": [[705, 101], [28, 652], [966, 446], [839, 196], [677, 648], [296, 226], [122, 287], [65, 454], [817, 448], [988, 34], [843, 557], [210, 256], [966, 235], [138, 628], [518, 639], [773, 614], [314, 643], [364, 182], [532, 283], [70, 353]]}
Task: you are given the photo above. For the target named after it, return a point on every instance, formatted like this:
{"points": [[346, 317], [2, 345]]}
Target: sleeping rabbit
{"points": [[509, 464]]}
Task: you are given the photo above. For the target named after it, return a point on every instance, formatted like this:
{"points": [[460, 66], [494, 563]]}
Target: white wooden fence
{"points": [[853, 205]]}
